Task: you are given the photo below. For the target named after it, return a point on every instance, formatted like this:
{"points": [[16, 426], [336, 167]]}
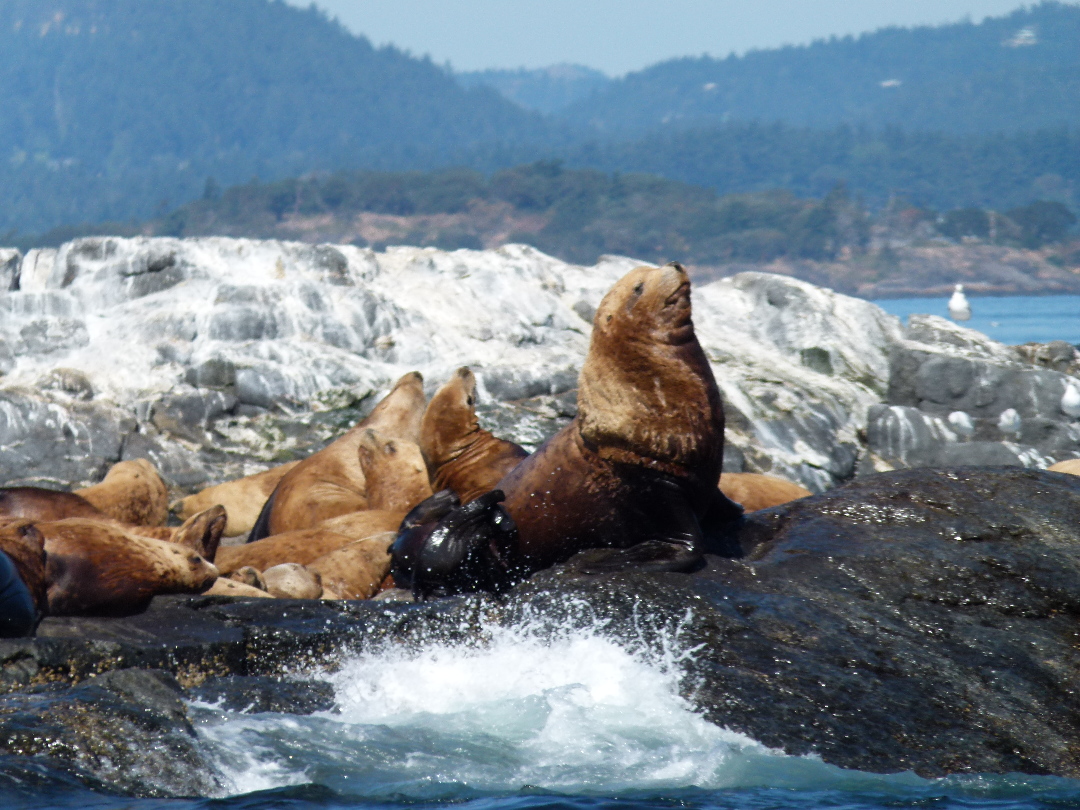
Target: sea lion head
{"points": [[399, 412], [646, 393], [395, 475], [450, 419], [25, 545]]}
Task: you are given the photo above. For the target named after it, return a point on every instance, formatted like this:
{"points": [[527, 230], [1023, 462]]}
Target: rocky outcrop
{"points": [[916, 620]]}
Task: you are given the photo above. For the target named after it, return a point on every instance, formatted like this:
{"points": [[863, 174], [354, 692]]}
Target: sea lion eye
{"points": [[469, 402], [639, 288]]}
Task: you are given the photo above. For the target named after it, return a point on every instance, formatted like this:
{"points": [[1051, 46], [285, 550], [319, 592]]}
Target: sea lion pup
{"points": [[243, 498], [306, 545], [753, 491], [636, 471], [131, 492], [97, 568], [331, 482], [39, 504], [395, 475], [23, 584], [460, 454]]}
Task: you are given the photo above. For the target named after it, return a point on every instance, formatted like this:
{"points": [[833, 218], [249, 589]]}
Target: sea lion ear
{"points": [[32, 534]]}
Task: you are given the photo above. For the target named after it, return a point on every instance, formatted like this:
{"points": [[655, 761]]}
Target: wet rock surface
{"points": [[918, 620]]}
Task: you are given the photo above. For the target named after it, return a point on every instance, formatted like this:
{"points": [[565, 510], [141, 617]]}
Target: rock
{"points": [[260, 693], [292, 581], [127, 728], [190, 414], [10, 262]]}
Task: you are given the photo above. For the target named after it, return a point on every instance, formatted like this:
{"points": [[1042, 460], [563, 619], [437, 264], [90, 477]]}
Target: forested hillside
{"points": [[113, 109], [1018, 72]]}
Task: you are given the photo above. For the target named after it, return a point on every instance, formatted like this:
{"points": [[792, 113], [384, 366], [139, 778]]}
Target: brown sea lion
{"points": [[131, 492], [228, 587], [331, 482], [292, 581], [356, 571], [754, 491], [636, 471], [97, 568], [395, 475], [202, 532], [306, 545], [461, 455], [38, 504], [243, 498], [23, 581]]}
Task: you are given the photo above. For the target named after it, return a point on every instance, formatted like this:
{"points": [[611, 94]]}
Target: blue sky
{"points": [[618, 36]]}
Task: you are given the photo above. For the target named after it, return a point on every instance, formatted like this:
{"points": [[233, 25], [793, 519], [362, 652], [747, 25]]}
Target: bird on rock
{"points": [[959, 308]]}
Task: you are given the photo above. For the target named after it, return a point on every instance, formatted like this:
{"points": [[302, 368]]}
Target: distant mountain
{"points": [[547, 90], [1018, 72], [111, 109]]}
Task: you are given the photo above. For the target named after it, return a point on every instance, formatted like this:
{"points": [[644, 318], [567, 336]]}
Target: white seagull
{"points": [[962, 424], [959, 308], [1070, 400]]}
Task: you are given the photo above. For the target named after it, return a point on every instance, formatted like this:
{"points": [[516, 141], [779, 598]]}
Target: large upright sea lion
{"points": [[98, 568], [636, 471], [462, 456], [243, 498], [131, 492], [331, 482]]}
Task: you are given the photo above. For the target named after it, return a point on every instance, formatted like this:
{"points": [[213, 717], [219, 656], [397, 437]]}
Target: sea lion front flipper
{"points": [[677, 542], [720, 527]]}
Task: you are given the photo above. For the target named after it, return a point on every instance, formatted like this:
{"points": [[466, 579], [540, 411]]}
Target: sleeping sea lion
{"points": [[636, 471], [357, 570], [39, 504], [461, 455], [98, 568], [131, 492], [331, 482], [243, 498], [753, 491], [23, 583], [306, 545]]}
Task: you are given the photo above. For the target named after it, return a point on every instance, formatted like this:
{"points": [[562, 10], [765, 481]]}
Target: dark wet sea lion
{"points": [[753, 491], [636, 471], [460, 454], [331, 482], [132, 492], [23, 582], [36, 503], [98, 568]]}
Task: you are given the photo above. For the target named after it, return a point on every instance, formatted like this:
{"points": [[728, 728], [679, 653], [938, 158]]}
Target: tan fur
{"points": [[243, 498], [228, 587], [98, 568], [201, 533], [306, 545], [24, 543], [395, 476], [331, 482], [754, 491], [356, 571], [461, 455], [1070, 466], [292, 581], [131, 492]]}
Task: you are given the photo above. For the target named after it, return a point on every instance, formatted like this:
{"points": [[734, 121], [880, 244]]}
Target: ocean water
{"points": [[1012, 320], [529, 717]]}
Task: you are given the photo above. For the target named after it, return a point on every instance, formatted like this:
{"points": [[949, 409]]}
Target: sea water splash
{"points": [[531, 708]]}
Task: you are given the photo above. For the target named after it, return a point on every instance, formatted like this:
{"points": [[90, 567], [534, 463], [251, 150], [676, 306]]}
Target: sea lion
{"points": [[636, 471], [331, 482], [39, 504], [202, 532], [754, 491], [395, 475], [243, 498], [1069, 465], [306, 545], [98, 568], [23, 582], [228, 587], [356, 571], [292, 581], [131, 492], [461, 455]]}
